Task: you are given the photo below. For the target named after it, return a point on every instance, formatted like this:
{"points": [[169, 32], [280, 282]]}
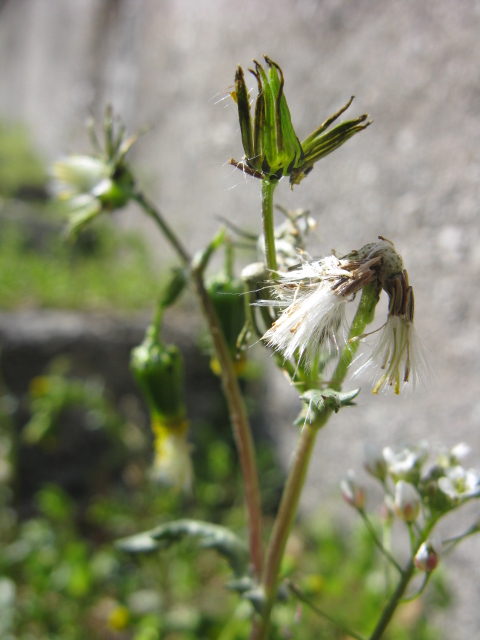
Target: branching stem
{"points": [[231, 388]]}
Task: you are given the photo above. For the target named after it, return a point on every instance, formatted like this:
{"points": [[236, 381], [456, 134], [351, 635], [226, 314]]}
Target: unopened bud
{"points": [[352, 492], [407, 501], [427, 556], [158, 370], [375, 463]]}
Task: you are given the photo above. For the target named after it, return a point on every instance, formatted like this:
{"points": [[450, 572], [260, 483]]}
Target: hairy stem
{"points": [[231, 388]]}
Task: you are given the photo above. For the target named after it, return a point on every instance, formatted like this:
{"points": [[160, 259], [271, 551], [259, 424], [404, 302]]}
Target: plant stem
{"points": [[393, 602], [240, 425], [364, 316], [167, 232], [231, 388], [378, 543], [268, 188], [285, 517], [294, 589], [298, 471]]}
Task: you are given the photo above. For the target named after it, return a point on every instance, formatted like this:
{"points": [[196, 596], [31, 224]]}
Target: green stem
{"points": [[268, 188], [393, 602], [397, 596], [378, 543], [294, 589], [285, 517], [298, 471], [238, 415], [364, 316], [167, 232]]}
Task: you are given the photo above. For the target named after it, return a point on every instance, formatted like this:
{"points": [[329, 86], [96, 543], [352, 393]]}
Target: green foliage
{"points": [[61, 576], [20, 167], [104, 269]]}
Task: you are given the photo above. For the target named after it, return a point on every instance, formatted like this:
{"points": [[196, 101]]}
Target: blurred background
{"points": [[412, 177]]}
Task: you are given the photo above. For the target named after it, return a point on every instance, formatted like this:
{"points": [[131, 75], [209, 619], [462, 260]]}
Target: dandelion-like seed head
{"points": [[313, 298]]}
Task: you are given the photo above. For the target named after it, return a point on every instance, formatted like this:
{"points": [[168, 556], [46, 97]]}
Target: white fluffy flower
{"points": [[398, 352], [313, 298]]}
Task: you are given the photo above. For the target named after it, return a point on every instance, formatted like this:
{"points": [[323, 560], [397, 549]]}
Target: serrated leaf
{"points": [[211, 536]]}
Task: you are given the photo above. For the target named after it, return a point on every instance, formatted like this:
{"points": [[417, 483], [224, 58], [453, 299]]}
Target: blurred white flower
{"points": [[454, 456], [406, 465], [459, 483], [289, 237], [407, 501], [353, 492], [375, 462]]}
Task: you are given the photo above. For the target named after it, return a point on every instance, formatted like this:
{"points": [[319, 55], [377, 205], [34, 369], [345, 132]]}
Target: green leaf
{"points": [[211, 536]]}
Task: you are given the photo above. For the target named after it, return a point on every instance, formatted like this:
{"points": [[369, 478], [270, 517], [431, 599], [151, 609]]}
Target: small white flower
{"points": [[375, 462], [352, 492], [454, 456], [460, 483], [406, 465], [407, 501], [427, 557]]}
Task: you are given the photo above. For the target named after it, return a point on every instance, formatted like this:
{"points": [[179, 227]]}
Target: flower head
{"points": [[289, 238], [92, 184], [460, 484], [375, 462], [398, 352], [314, 296], [407, 464], [272, 148]]}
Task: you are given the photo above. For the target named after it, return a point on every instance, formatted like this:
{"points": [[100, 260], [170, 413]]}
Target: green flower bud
{"points": [[90, 185], [158, 370], [272, 148], [227, 295]]}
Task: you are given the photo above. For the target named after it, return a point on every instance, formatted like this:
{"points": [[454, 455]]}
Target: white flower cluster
{"points": [[419, 490]]}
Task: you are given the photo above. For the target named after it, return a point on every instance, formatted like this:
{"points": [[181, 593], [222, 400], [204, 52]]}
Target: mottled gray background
{"points": [[413, 177]]}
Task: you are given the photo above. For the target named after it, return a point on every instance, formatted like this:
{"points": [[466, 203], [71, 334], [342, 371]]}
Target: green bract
{"points": [[272, 148]]}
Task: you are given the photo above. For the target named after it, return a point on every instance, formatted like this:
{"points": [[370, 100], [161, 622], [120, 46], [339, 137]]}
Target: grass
{"points": [[103, 270]]}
